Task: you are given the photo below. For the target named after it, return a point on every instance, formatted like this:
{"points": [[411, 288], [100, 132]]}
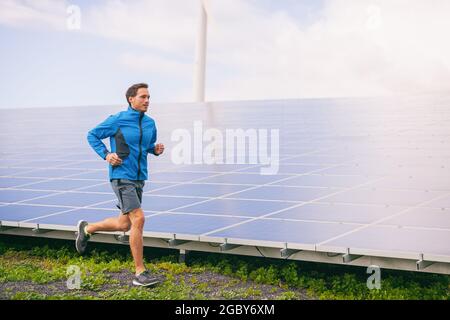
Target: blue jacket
{"points": [[132, 136]]}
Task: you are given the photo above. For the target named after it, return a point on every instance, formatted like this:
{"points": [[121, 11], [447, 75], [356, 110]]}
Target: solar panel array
{"points": [[370, 175]]}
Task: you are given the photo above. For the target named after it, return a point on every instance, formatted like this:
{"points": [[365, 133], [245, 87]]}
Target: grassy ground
{"points": [[34, 268]]}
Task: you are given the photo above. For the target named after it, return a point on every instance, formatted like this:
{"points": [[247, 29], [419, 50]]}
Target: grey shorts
{"points": [[129, 193]]}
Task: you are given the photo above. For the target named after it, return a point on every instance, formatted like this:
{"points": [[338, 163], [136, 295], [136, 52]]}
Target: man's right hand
{"points": [[113, 159]]}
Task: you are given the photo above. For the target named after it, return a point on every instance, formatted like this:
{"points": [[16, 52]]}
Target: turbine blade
{"points": [[207, 7]]}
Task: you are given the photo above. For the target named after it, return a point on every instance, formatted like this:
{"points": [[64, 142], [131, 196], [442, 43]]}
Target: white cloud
{"points": [[166, 25], [353, 48], [31, 13], [356, 48], [155, 63]]}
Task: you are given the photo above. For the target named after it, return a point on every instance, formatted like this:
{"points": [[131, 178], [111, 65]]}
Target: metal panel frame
{"points": [[387, 260]]}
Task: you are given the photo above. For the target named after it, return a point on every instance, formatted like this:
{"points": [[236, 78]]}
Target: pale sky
{"points": [[257, 49]]}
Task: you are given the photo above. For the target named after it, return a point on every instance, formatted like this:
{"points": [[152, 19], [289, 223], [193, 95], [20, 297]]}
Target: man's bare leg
{"points": [[121, 223], [137, 219]]}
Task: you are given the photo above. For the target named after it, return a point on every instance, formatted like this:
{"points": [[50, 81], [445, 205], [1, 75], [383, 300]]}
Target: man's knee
{"points": [[137, 217], [125, 226]]}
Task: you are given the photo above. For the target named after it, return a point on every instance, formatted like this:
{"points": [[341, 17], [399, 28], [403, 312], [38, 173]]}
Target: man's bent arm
{"points": [[104, 130], [151, 149]]}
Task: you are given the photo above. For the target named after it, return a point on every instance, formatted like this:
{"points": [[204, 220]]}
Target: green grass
{"points": [[43, 262], [330, 281]]}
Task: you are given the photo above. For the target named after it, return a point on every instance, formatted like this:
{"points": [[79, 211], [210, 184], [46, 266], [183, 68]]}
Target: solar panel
{"points": [[368, 177]]}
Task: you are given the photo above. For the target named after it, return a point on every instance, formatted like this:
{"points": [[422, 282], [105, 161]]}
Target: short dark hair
{"points": [[132, 91]]}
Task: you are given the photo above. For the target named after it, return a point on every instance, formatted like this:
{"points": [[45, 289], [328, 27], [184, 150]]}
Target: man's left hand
{"points": [[159, 149]]}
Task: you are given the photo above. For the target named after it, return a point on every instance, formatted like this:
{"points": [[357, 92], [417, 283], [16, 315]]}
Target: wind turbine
{"points": [[200, 58]]}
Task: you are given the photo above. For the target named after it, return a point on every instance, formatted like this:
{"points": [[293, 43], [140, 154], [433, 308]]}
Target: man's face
{"points": [[141, 101]]}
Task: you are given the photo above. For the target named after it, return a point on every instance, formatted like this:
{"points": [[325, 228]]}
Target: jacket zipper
{"points": [[140, 145]]}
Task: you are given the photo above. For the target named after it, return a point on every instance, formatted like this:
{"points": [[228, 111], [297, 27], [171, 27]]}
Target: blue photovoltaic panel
{"points": [[315, 158], [414, 182], [12, 196], [284, 231], [164, 203], [8, 171], [392, 239], [298, 194], [201, 190], [443, 202], [366, 174], [422, 217], [245, 179], [179, 176], [213, 168], [99, 188], [324, 181], [72, 199], [246, 208], [91, 164], [393, 197], [291, 169], [92, 174], [17, 212], [59, 185], [15, 182], [70, 218], [188, 224], [338, 213], [49, 173]]}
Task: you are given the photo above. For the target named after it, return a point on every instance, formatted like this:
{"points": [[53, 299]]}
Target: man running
{"points": [[132, 136]]}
